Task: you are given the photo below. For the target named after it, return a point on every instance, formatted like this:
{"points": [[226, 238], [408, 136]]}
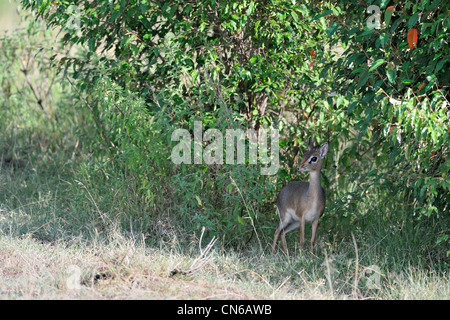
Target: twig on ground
{"points": [[200, 261]]}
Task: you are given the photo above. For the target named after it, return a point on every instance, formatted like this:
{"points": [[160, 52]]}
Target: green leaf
{"points": [[188, 9], [294, 16], [369, 114], [257, 24], [134, 49], [384, 3], [376, 64], [368, 97], [194, 75], [91, 44], [395, 24], [364, 128], [440, 64], [367, 33], [115, 15], [387, 16], [240, 220], [198, 200], [332, 29], [433, 5], [384, 38], [323, 14], [443, 238], [412, 21], [351, 107], [391, 74], [363, 77], [250, 8]]}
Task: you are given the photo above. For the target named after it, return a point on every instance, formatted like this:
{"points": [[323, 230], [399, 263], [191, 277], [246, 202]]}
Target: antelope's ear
{"points": [[323, 150], [310, 143]]}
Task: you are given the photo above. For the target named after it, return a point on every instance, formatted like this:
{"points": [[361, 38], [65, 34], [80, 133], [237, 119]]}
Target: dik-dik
{"points": [[300, 202]]}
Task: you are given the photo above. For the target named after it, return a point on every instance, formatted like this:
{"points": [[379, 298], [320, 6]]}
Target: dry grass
{"points": [[121, 270], [33, 270], [126, 269]]}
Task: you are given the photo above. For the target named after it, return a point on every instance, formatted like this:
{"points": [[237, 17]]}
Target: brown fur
{"points": [[300, 202]]}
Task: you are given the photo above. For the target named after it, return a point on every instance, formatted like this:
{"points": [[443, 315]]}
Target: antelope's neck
{"points": [[314, 184]]}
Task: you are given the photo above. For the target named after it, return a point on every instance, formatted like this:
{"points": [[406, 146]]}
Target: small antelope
{"points": [[300, 202]]}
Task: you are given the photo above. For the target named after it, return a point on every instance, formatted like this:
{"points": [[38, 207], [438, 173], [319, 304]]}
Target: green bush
{"points": [[318, 69], [396, 88]]}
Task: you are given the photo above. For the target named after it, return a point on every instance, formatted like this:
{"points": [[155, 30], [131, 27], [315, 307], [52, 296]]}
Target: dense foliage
{"points": [[377, 92]]}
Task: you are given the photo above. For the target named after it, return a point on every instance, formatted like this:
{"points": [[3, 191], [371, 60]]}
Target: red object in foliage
{"points": [[412, 38], [420, 87], [313, 56]]}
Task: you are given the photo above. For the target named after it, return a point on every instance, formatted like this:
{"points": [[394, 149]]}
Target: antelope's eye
{"points": [[313, 159]]}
